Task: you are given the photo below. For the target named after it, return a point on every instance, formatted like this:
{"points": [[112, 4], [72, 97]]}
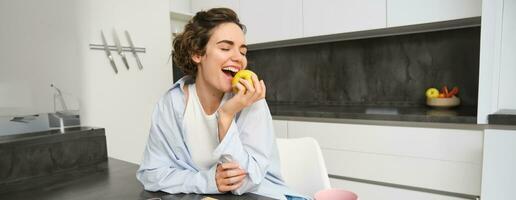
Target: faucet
{"points": [[61, 99]]}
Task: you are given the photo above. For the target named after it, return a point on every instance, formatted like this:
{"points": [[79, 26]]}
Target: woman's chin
{"points": [[226, 90], [228, 87]]}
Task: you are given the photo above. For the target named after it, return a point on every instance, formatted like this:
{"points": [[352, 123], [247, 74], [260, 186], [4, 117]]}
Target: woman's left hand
{"points": [[229, 176]]}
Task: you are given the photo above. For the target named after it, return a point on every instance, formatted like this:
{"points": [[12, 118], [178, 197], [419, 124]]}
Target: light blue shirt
{"points": [[168, 166]]}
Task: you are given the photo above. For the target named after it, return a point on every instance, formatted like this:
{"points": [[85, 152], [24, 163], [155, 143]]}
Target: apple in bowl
{"points": [[443, 98]]}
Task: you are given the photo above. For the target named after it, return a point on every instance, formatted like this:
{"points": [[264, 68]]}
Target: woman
{"points": [[203, 138]]}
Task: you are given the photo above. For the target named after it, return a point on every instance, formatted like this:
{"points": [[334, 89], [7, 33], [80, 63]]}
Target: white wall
{"points": [[39, 46], [123, 103], [48, 41]]}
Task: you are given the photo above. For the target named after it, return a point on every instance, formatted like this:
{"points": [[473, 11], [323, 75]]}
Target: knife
{"points": [[119, 49], [140, 66], [108, 52]]}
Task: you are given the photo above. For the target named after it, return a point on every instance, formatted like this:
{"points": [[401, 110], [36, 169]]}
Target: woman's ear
{"points": [[196, 58]]}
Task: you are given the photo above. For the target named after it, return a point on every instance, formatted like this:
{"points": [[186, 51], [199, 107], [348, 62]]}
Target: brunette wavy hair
{"points": [[196, 34]]}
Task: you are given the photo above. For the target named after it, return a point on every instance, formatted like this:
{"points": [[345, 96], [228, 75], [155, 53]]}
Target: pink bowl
{"points": [[335, 194]]}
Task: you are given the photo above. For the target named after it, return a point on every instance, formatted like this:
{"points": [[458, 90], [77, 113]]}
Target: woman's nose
{"points": [[237, 56]]}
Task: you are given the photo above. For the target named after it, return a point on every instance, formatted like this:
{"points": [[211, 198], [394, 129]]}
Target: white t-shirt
{"points": [[202, 129]]}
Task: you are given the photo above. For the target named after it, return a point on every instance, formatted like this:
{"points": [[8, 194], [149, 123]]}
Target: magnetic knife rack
{"points": [[114, 48], [118, 48]]}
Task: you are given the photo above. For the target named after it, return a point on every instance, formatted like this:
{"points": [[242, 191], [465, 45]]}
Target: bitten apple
{"points": [[245, 74]]}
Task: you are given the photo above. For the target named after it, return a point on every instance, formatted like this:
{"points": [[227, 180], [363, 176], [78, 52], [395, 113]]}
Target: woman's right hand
{"points": [[248, 93], [252, 94], [229, 176]]}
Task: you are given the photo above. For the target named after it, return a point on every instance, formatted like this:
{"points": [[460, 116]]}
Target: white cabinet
{"points": [[498, 175], [271, 20], [198, 5], [266, 21], [432, 158], [338, 16], [497, 60], [407, 12], [367, 191], [506, 93], [280, 128], [182, 6]]}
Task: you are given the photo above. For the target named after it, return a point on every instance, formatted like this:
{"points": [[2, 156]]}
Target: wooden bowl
{"points": [[443, 102]]}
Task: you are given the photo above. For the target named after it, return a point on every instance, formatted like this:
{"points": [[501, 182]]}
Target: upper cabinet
{"points": [[408, 12], [276, 20], [180, 6], [267, 23], [506, 94], [180, 13], [323, 17], [198, 5]]}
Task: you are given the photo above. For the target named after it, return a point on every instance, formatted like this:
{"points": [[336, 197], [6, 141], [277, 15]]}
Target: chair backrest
{"points": [[302, 165]]}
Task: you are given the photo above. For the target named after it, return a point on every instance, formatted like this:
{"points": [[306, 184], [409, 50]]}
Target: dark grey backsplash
{"points": [[391, 70]]}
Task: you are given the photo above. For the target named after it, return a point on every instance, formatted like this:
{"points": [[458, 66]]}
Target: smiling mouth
{"points": [[230, 71]]}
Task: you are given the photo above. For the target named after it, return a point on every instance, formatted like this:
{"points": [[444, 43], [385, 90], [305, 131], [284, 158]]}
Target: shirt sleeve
{"points": [[162, 170], [249, 141]]}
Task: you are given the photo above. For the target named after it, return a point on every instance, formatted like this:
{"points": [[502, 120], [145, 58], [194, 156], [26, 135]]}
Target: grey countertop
{"points": [[503, 117], [461, 114], [49, 135]]}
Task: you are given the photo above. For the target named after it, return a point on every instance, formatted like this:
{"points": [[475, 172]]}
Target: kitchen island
{"points": [[388, 152], [118, 182]]}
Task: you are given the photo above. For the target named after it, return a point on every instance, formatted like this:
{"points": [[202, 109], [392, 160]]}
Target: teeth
{"points": [[232, 69]]}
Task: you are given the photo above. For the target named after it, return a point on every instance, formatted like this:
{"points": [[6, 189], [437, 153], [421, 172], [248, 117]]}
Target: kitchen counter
{"points": [[461, 114], [33, 160], [503, 117]]}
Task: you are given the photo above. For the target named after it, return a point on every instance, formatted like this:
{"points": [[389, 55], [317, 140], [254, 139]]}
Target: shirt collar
{"points": [[188, 79]]}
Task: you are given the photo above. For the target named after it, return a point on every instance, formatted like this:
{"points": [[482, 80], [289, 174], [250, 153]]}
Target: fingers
{"points": [[249, 88], [241, 88], [246, 95], [256, 91], [264, 89], [227, 188], [258, 88], [233, 180], [225, 174], [229, 176], [229, 165], [256, 84]]}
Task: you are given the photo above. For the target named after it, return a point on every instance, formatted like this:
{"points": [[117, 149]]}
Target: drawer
{"points": [[457, 177], [367, 191], [433, 158], [432, 143], [280, 128]]}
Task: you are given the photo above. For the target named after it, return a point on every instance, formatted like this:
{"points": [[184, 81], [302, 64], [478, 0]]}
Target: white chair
{"points": [[302, 165]]}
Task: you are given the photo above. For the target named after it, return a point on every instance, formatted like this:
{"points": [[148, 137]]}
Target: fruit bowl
{"points": [[443, 102]]}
